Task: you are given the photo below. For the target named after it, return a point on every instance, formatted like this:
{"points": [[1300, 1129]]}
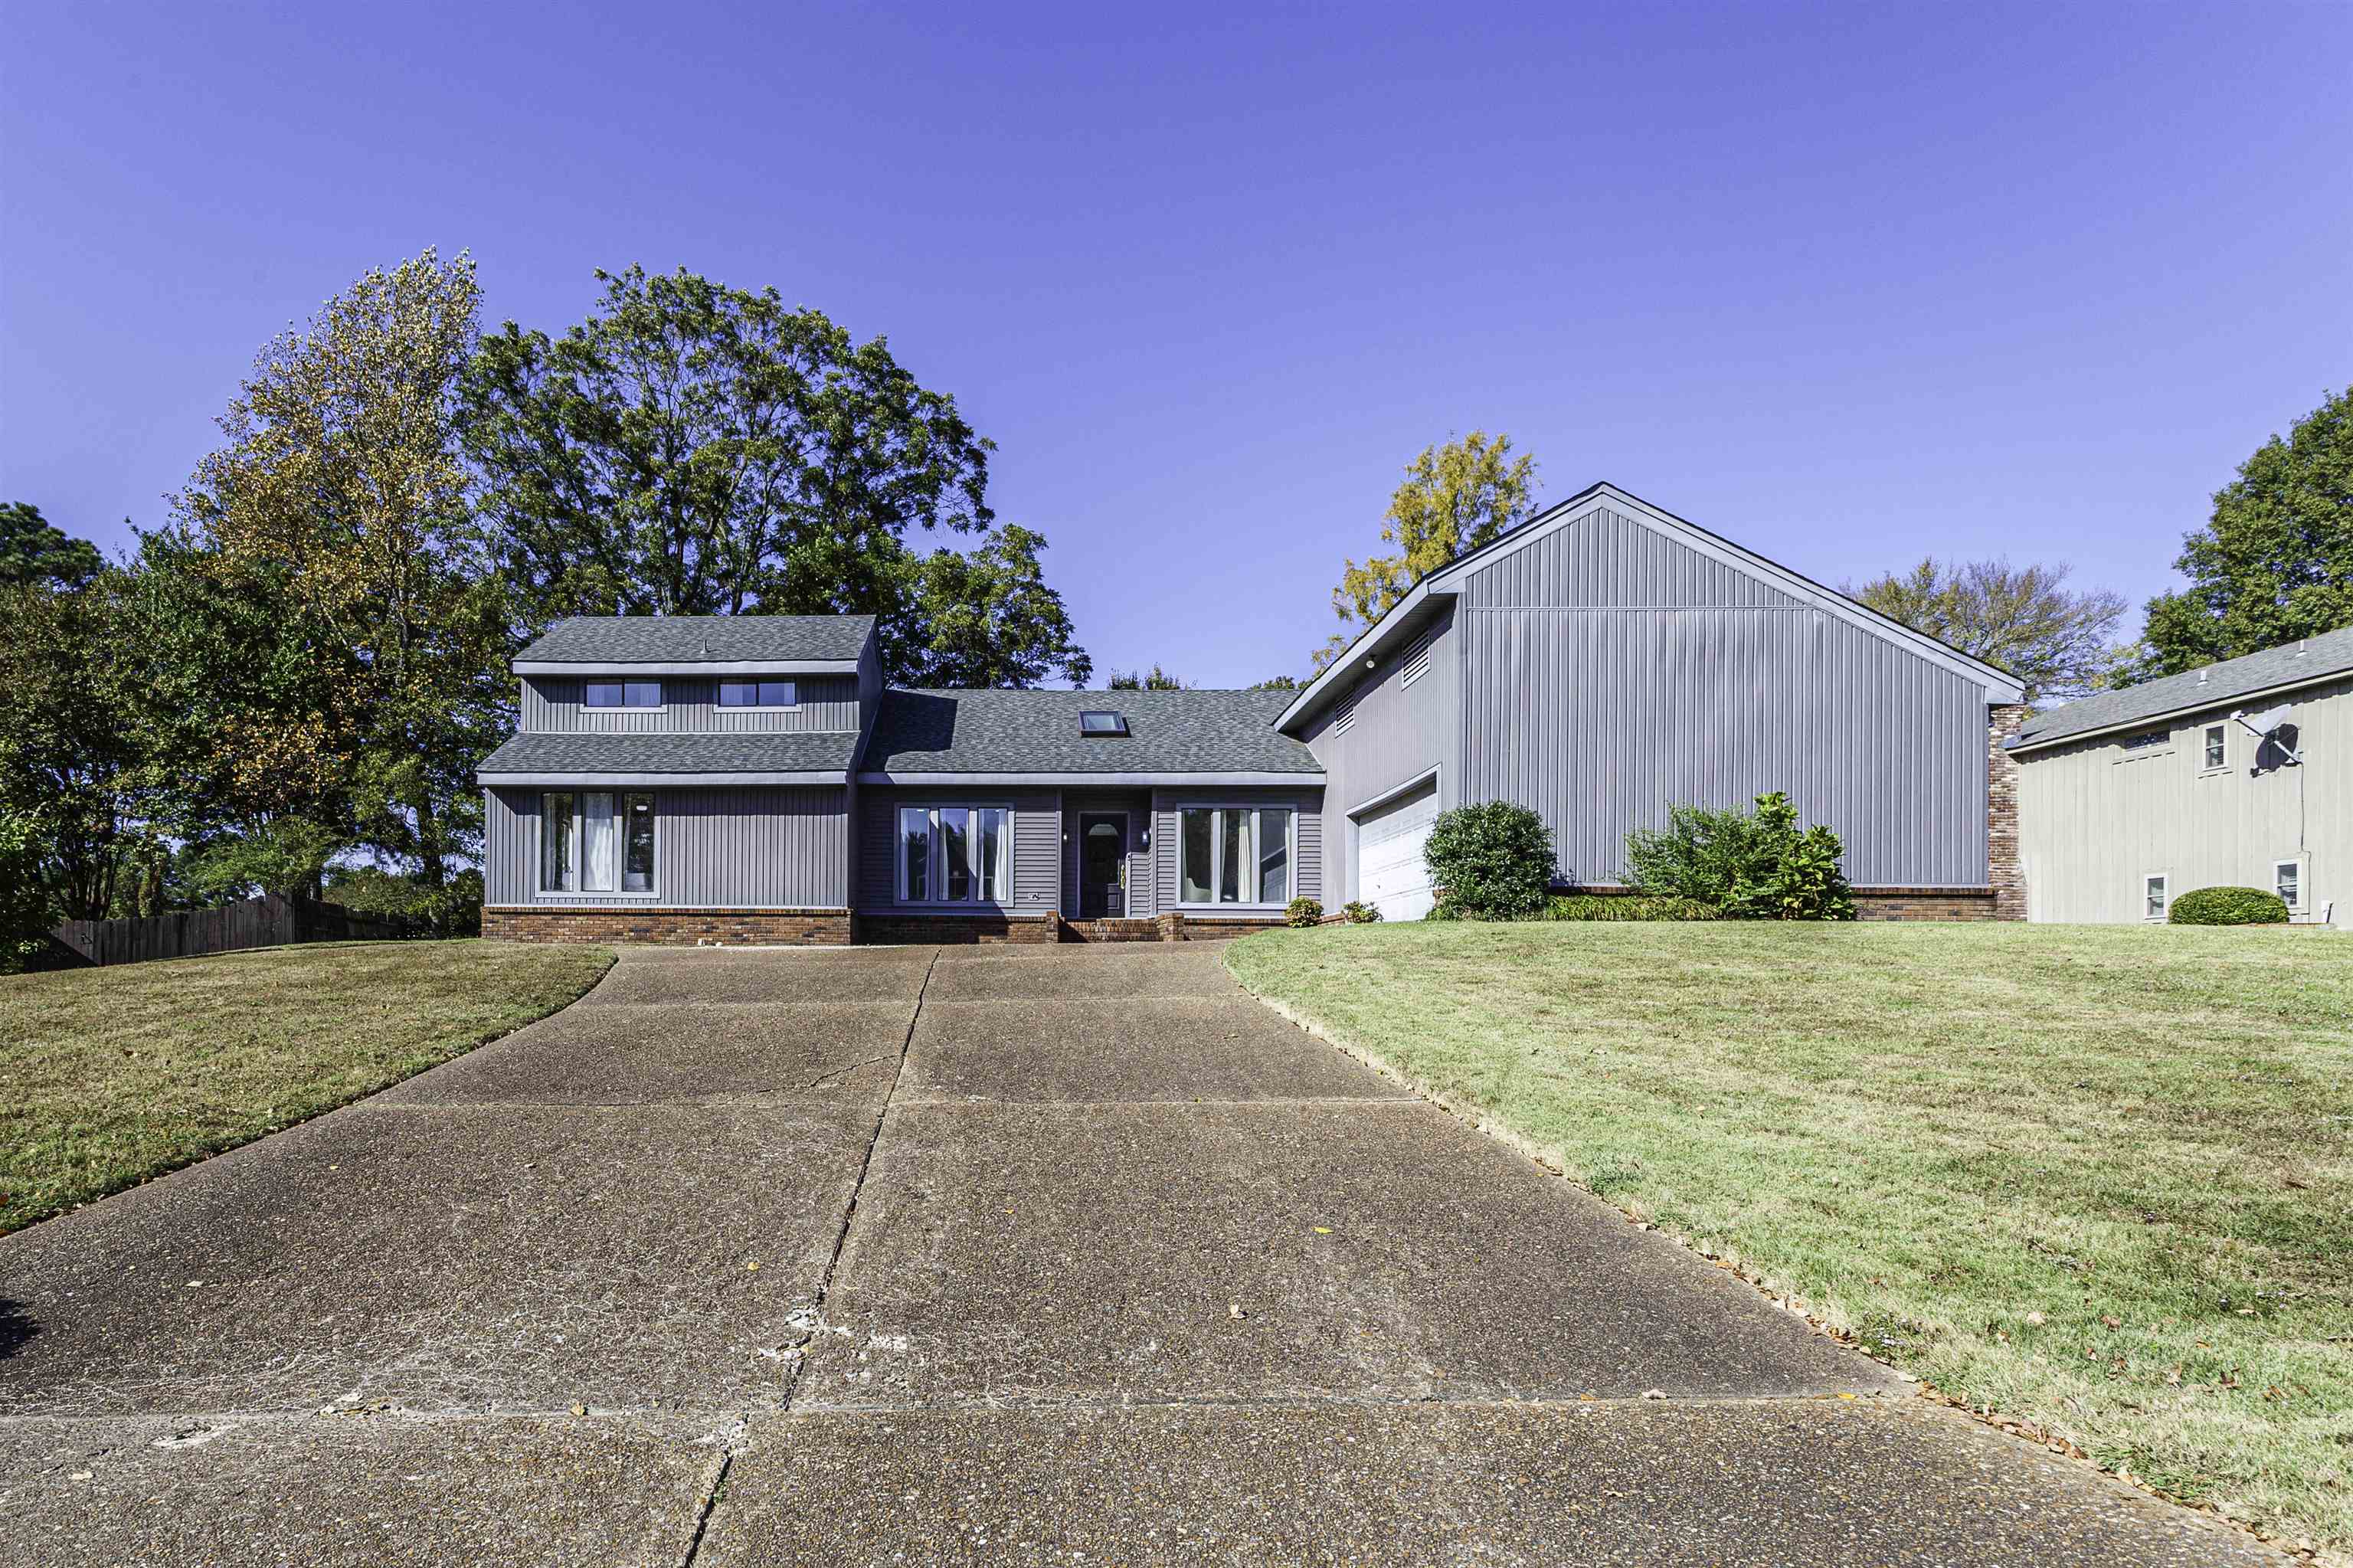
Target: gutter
{"points": [[2017, 746]]}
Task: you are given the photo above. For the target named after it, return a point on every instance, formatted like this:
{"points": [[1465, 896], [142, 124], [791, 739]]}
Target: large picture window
{"points": [[1234, 854], [956, 854], [595, 841]]}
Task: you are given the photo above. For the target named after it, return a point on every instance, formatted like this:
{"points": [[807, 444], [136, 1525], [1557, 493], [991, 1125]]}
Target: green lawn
{"points": [[109, 1078], [2096, 1179]]}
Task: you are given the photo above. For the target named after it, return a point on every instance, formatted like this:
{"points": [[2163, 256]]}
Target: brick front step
{"points": [[918, 929], [671, 927]]}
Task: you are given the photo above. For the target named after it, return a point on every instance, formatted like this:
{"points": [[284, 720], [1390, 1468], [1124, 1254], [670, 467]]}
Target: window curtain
{"points": [[596, 841]]}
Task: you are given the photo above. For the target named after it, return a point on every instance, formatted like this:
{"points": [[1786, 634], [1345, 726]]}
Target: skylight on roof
{"points": [[1097, 721]]}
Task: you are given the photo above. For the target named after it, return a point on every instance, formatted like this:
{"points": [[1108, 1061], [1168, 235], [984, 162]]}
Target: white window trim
{"points": [[2301, 903], [2165, 880], [580, 845], [1217, 854], [2208, 769], [753, 681], [938, 856]]}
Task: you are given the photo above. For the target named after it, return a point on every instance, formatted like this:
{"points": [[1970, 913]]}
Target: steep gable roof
{"points": [[925, 732], [1415, 609], [2216, 685], [617, 641]]}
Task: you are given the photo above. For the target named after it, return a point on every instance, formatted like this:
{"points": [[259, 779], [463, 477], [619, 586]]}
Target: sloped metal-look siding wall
{"points": [[1611, 671], [752, 847], [1306, 850], [1037, 842], [1400, 732], [551, 706]]}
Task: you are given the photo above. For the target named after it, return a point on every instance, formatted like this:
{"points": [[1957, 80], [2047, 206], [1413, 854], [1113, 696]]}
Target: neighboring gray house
{"points": [[751, 779], [2228, 775]]}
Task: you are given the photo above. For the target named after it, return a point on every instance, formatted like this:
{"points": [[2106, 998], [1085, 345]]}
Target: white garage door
{"points": [[1389, 873]]}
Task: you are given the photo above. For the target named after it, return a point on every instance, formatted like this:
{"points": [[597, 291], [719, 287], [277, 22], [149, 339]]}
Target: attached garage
{"points": [[1390, 837]]}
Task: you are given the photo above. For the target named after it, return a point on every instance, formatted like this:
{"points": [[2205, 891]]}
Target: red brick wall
{"points": [[1177, 926], [1925, 904], [672, 928], [918, 929], [2002, 868]]}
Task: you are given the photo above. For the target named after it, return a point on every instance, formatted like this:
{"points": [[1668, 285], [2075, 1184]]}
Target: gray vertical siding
{"points": [[1037, 842], [1400, 732], [1609, 670], [1306, 852], [763, 847], [1605, 558], [551, 705]]}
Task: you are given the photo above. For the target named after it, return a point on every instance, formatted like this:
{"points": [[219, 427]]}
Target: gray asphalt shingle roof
{"points": [[2329, 653], [803, 751], [1038, 732], [672, 638]]}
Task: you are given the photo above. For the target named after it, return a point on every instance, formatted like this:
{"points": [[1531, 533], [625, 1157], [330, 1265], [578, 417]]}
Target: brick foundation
{"points": [[1182, 928], [2002, 867], [919, 930], [1143, 928], [1884, 903], [671, 927], [1927, 903]]}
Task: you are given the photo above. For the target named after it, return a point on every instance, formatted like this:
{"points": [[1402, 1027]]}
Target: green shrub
{"points": [[1303, 912], [2227, 906], [25, 913], [1492, 861], [1636, 906], [1359, 914], [1749, 865]]}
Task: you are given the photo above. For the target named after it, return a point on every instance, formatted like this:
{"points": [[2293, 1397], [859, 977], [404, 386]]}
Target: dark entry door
{"points": [[1102, 866]]}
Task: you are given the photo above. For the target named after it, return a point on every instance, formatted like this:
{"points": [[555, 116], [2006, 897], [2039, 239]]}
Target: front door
{"points": [[1102, 866]]}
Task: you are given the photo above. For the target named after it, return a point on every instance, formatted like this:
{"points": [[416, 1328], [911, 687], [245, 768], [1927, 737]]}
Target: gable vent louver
{"points": [[1416, 662], [1344, 720]]}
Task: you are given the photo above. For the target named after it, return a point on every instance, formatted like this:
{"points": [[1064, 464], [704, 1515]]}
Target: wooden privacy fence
{"points": [[263, 922]]}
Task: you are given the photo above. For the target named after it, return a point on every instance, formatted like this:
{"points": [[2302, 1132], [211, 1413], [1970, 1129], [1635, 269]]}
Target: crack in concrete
{"points": [[815, 1309]]}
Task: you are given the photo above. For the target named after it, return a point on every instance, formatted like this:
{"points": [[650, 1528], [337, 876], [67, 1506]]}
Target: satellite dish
{"points": [[2263, 720]]}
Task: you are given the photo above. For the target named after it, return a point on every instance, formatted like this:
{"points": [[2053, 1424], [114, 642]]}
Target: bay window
{"points": [[1234, 854], [595, 841], [956, 854]]}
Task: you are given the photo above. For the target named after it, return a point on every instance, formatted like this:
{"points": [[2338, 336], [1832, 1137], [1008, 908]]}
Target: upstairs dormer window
{"points": [[622, 694], [1097, 721], [759, 693]]}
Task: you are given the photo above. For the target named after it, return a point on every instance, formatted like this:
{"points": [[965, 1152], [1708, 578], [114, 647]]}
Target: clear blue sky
{"points": [[1848, 284]]}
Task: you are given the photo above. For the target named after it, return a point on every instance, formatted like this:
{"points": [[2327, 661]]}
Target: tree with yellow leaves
{"points": [[1455, 498]]}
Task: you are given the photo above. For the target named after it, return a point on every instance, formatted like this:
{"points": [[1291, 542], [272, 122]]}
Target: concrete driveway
{"points": [[898, 1254]]}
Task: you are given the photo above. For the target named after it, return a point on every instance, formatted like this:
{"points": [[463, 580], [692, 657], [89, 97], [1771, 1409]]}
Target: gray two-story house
{"points": [[753, 779]]}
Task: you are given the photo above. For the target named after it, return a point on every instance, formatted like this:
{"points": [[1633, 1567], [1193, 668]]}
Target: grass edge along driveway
{"points": [[2096, 1179], [113, 1076]]}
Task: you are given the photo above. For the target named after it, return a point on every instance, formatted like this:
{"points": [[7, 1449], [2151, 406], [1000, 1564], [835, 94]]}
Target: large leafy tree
{"points": [[692, 448], [986, 618], [72, 774], [1152, 680], [2275, 562], [341, 503], [35, 551], [1455, 498], [2024, 620]]}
